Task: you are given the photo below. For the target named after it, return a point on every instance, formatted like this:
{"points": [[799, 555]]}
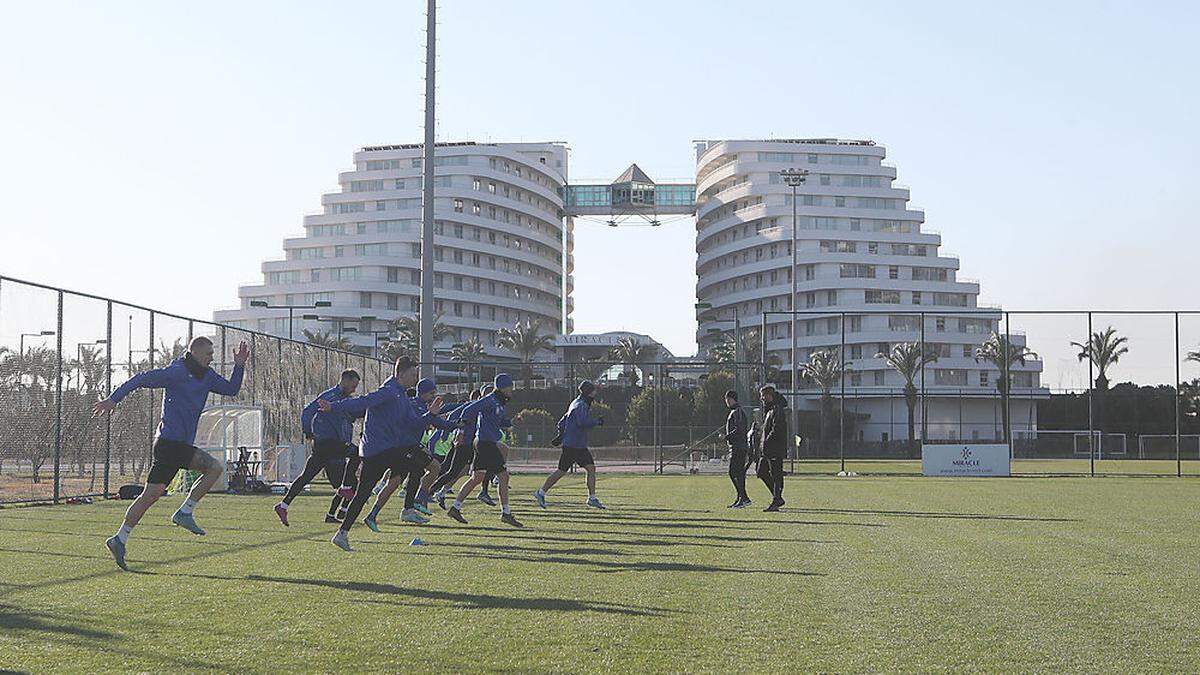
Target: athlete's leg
{"points": [[335, 470], [591, 479], [312, 467], [210, 470], [553, 478], [503, 476], [150, 494]]}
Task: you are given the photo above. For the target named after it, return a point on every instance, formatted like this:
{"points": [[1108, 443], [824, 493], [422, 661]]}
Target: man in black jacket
{"points": [[739, 449], [774, 444]]}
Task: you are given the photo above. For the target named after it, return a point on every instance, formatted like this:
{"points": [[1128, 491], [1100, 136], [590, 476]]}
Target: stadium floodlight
{"points": [[263, 304], [794, 178], [42, 333]]}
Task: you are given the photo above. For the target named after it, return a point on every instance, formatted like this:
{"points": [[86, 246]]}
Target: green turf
{"points": [[860, 574]]}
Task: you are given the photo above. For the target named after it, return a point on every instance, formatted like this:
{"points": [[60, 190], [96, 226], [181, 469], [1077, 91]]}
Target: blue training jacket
{"points": [[575, 424], [392, 421], [185, 396], [491, 418], [446, 427], [330, 425]]}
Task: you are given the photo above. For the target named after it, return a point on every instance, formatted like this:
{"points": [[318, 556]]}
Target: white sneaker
{"points": [[342, 540]]}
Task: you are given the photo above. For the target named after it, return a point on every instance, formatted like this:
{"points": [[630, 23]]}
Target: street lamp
{"points": [[37, 334], [290, 308], [794, 178], [79, 358], [737, 340], [339, 323]]}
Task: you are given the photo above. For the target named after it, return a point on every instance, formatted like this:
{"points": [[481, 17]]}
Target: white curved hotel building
{"points": [[859, 248], [499, 245]]}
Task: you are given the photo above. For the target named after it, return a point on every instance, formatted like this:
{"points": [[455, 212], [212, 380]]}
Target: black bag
{"points": [[130, 491]]}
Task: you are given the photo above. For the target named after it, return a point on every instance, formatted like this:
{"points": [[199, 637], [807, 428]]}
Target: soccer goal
{"points": [[1162, 446], [1064, 443]]}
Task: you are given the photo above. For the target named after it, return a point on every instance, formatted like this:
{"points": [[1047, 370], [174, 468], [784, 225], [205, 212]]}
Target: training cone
{"points": [[416, 542]]}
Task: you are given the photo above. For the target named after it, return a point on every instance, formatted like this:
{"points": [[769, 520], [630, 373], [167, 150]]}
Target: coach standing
{"points": [[774, 444]]}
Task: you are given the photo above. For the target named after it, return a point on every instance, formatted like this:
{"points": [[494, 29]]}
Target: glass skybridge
{"points": [[632, 195]]}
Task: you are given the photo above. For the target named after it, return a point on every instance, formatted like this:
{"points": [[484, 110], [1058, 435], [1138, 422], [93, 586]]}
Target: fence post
{"points": [[108, 336], [1178, 458], [1091, 432], [841, 402], [58, 400], [924, 416], [1008, 437], [150, 416]]}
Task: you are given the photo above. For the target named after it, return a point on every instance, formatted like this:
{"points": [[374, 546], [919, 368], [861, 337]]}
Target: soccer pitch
{"points": [[889, 573]]}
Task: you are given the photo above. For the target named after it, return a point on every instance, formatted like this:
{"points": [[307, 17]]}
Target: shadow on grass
{"points": [[694, 523], [637, 566], [16, 619], [939, 514], [661, 538], [469, 600]]}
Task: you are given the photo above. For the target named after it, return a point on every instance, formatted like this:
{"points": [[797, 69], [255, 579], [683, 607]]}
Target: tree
{"points": [[588, 369], [724, 353], [525, 340], [409, 330], [535, 422], [824, 369], [674, 415], [993, 350], [1104, 348], [631, 353], [908, 359], [329, 340], [468, 353], [709, 400]]}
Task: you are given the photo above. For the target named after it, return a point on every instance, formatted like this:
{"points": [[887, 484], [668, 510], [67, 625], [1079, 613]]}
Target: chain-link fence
{"points": [[874, 386], [61, 351]]}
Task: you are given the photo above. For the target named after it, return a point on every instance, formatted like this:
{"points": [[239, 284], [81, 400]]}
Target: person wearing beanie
{"points": [[421, 395], [462, 450], [491, 420], [573, 428], [739, 449], [774, 444], [391, 437]]}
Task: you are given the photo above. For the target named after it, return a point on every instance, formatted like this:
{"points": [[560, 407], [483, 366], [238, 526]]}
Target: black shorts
{"points": [[488, 457], [569, 456], [332, 448], [401, 461], [169, 457]]}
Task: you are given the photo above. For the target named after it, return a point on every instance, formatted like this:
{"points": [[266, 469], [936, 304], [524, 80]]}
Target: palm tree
{"points": [[633, 355], [825, 368], [468, 353], [326, 340], [1104, 349], [525, 340], [908, 359], [588, 369], [993, 351], [409, 330], [725, 353]]}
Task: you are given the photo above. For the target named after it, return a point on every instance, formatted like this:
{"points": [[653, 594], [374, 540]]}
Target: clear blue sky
{"points": [[159, 152]]}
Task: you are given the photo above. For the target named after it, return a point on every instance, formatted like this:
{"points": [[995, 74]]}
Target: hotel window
{"points": [[476, 184], [856, 351], [364, 300], [879, 378], [476, 208], [940, 322], [873, 248], [316, 275], [839, 201], [855, 224], [855, 324], [811, 200], [458, 206], [916, 297], [893, 271], [393, 275], [855, 378], [967, 352], [812, 159], [360, 228], [880, 297], [339, 251], [831, 298], [983, 378], [824, 179], [393, 301]]}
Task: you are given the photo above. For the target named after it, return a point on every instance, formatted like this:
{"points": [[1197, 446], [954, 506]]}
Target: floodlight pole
{"points": [[794, 178], [425, 318]]}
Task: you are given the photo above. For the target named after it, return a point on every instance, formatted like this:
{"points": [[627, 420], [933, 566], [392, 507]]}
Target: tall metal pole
{"points": [[792, 330], [58, 392], [426, 307], [737, 352], [108, 336], [1178, 460], [842, 402], [1091, 433]]}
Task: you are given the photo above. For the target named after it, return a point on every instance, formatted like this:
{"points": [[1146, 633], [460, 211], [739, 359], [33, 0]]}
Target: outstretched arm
{"points": [[233, 385], [151, 379]]}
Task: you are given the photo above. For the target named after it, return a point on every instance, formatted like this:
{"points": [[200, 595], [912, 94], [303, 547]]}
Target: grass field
{"points": [[860, 574]]}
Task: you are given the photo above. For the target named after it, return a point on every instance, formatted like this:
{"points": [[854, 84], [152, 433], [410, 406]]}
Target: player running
{"points": [[492, 420], [188, 382], [391, 437], [574, 427], [332, 451]]}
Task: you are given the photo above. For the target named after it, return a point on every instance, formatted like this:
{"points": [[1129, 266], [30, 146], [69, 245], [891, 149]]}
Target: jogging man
{"points": [[187, 381], [462, 450], [774, 445], [332, 451], [391, 437], [737, 438], [425, 391], [492, 420], [574, 428]]}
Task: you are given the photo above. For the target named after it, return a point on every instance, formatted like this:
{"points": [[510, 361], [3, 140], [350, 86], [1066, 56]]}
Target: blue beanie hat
{"points": [[425, 386], [503, 381]]}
